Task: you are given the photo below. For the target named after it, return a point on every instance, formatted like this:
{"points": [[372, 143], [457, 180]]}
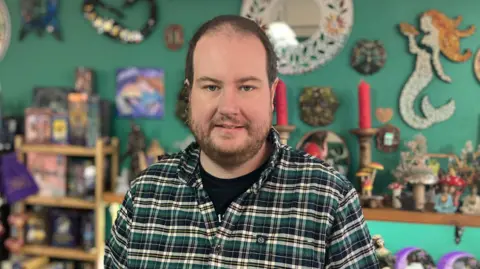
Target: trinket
{"points": [[368, 56], [39, 16], [113, 28], [318, 106]]}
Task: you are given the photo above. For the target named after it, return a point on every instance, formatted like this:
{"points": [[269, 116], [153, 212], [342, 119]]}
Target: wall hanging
{"points": [[39, 16], [318, 106], [368, 56], [5, 29], [140, 92], [338, 155], [174, 36], [113, 28], [305, 36], [440, 36], [476, 65]]}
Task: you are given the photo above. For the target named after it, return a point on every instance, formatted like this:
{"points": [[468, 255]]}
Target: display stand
{"points": [[99, 152], [284, 131], [364, 137]]}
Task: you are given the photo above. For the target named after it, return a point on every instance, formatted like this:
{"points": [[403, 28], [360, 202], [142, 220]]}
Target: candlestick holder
{"points": [[365, 140], [284, 131]]}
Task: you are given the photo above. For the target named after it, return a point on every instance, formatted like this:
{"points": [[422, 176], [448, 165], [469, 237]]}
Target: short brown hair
{"points": [[238, 24]]}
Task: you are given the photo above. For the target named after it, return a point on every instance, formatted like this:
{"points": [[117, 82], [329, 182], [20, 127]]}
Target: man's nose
{"points": [[228, 102]]}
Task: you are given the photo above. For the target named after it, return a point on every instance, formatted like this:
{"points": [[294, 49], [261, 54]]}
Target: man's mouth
{"points": [[228, 126]]}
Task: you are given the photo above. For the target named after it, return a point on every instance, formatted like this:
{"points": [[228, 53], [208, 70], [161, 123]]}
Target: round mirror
{"points": [[328, 146], [5, 29], [305, 33]]}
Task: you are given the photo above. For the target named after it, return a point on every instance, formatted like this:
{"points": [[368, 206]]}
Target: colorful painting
{"points": [[140, 92]]}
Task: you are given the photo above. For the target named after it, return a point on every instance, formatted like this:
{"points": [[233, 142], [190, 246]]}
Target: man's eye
{"points": [[247, 88], [211, 88]]}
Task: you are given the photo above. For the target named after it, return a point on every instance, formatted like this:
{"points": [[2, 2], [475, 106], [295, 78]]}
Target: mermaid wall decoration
{"points": [[441, 36]]}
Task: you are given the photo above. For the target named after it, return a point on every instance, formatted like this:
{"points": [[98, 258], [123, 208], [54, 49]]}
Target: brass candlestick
{"points": [[365, 140], [284, 131]]}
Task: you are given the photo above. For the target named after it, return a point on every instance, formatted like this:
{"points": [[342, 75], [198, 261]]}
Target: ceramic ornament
{"points": [[476, 65], [318, 106], [413, 257], [458, 259], [5, 29], [368, 56], [384, 115], [440, 36]]}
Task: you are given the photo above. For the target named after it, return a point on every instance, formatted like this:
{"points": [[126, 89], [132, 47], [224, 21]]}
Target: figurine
{"points": [[385, 257], [367, 183], [444, 200], [396, 194], [89, 174], [38, 16], [413, 169], [136, 145], [471, 203]]}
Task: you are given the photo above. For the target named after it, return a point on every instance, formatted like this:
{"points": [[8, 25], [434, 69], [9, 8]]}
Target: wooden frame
{"points": [[380, 136], [98, 205]]}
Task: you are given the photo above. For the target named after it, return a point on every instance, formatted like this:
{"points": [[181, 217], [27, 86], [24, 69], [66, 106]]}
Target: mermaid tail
{"points": [[440, 114]]}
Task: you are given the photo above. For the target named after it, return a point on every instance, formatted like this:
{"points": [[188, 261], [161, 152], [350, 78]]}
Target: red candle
{"points": [[365, 114], [281, 103]]}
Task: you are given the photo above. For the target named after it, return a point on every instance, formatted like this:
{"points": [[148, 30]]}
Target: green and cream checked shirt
{"points": [[299, 214]]}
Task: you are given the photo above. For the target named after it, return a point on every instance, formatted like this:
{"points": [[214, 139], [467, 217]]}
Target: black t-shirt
{"points": [[222, 192]]}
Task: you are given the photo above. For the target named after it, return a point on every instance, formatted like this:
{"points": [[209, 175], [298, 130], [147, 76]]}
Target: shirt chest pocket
{"points": [[284, 251]]}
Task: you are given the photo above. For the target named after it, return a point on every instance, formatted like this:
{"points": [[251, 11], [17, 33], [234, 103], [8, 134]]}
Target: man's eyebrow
{"points": [[208, 79], [248, 78]]}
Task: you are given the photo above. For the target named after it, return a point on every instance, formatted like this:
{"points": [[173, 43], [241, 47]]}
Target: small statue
{"points": [[396, 194], [444, 200], [367, 183], [385, 257], [136, 146], [471, 203]]}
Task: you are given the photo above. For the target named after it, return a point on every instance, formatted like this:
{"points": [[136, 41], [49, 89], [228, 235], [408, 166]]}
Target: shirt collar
{"points": [[190, 159]]}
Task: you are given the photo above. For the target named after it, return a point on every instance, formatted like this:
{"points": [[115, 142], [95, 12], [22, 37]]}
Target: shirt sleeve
{"points": [[349, 245], [116, 249]]}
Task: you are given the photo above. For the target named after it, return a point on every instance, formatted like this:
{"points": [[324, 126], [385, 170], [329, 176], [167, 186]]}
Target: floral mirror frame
{"points": [[5, 29], [334, 27]]}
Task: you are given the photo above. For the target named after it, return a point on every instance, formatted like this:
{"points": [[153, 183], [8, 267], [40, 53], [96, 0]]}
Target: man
{"points": [[237, 198]]}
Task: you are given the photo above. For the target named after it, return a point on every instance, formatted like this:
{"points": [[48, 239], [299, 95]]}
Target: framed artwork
{"points": [[140, 92]]}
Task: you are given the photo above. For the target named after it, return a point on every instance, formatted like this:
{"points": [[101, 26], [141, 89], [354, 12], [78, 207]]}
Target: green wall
{"points": [[44, 61]]}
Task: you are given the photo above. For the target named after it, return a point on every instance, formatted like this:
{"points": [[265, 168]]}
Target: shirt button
{"points": [[218, 249]]}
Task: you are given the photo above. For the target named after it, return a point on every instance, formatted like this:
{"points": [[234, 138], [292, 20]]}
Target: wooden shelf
{"points": [[111, 197], [394, 215], [66, 202], [59, 253], [67, 150]]}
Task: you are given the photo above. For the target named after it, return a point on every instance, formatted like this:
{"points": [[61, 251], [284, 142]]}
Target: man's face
{"points": [[231, 103]]}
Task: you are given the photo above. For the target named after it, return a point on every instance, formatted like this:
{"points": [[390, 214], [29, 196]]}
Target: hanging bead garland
{"points": [[114, 29]]}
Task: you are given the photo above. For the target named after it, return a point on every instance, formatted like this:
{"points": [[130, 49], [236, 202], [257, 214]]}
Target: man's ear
{"points": [[273, 91]]}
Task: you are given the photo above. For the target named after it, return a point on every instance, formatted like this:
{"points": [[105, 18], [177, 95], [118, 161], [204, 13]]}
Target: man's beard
{"points": [[257, 135]]}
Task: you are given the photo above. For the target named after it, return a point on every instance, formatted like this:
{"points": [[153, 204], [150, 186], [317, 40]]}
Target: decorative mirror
{"points": [[337, 155], [5, 29], [388, 138], [306, 34], [318, 106]]}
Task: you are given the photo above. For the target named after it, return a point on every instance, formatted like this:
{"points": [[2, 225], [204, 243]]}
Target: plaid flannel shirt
{"points": [[299, 214]]}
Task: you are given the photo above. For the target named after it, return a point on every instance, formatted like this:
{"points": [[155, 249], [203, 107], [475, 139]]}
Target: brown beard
{"points": [[257, 135]]}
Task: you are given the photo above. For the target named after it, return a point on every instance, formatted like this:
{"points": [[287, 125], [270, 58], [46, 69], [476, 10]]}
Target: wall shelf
{"points": [[60, 253], [394, 215], [111, 197], [65, 202], [67, 150]]}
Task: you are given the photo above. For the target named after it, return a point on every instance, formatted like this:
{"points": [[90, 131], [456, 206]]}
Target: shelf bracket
{"points": [[458, 233]]}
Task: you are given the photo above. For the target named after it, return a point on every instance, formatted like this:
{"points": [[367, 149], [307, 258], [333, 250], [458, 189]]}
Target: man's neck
{"points": [[250, 165]]}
